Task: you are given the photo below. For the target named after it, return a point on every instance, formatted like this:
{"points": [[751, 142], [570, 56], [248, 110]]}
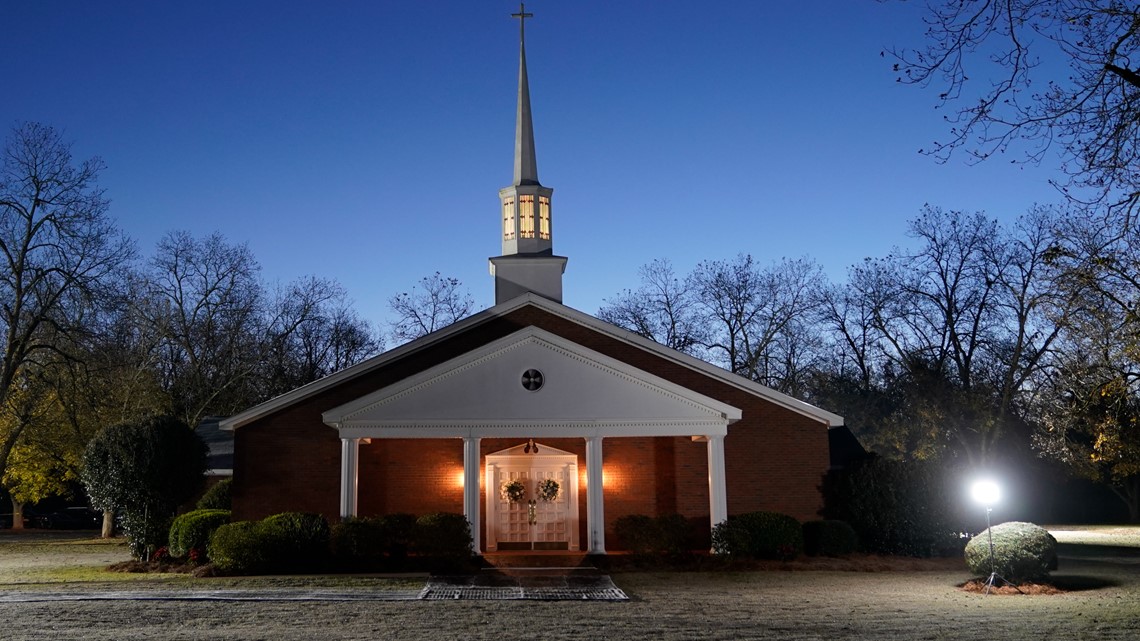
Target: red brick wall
{"points": [[775, 459]]}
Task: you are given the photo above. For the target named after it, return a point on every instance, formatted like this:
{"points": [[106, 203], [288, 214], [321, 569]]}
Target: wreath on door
{"points": [[513, 491], [548, 490]]}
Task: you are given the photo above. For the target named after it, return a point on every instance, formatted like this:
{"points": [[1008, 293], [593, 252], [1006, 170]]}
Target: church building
{"points": [[540, 423]]}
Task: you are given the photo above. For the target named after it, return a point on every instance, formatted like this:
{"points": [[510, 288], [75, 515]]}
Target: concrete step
{"points": [[566, 561]]}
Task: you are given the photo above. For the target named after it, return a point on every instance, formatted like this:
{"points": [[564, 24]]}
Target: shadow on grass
{"points": [[1082, 583]]}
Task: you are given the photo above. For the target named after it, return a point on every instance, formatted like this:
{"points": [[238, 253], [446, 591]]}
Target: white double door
{"points": [[532, 521]]}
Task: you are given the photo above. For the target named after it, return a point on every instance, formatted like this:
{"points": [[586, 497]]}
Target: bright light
{"points": [[985, 492]]}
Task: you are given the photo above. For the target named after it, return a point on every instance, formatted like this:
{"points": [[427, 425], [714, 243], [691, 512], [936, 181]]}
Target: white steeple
{"points": [[528, 263]]}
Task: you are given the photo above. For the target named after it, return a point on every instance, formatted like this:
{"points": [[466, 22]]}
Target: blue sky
{"points": [[367, 140]]}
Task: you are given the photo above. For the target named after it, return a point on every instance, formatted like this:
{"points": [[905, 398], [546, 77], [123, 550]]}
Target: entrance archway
{"points": [[532, 499]]}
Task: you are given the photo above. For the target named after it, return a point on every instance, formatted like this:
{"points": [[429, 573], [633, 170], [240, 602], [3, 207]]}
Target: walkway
{"points": [[488, 585]]}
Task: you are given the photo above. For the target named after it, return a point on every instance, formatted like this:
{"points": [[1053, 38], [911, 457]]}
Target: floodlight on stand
{"points": [[987, 493]]}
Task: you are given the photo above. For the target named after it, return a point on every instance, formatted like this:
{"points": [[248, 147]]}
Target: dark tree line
{"points": [[979, 342]]}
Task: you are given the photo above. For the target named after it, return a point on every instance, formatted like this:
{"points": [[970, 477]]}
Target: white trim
{"points": [[557, 309], [527, 429]]}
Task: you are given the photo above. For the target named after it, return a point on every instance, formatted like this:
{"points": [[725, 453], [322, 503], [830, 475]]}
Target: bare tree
{"points": [[662, 309], [757, 317], [207, 303], [1053, 72], [313, 332], [433, 303], [59, 250]]}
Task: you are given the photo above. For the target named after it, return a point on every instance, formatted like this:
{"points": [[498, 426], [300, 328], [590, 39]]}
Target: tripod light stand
{"points": [[987, 493]]}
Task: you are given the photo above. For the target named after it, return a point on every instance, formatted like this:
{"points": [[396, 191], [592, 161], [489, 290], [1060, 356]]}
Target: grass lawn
{"points": [[898, 605]]}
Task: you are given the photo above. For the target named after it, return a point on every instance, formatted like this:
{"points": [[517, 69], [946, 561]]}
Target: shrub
{"points": [[295, 540], [444, 535], [373, 542], [217, 497], [398, 533], [895, 507], [635, 532], [192, 530], [665, 534], [282, 542], [763, 535], [829, 538], [358, 540], [239, 548], [1022, 552]]}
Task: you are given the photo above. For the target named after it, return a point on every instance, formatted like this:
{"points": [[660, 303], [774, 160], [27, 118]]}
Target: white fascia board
{"points": [[530, 429]]}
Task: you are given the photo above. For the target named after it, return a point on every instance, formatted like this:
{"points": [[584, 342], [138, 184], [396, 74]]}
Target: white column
{"points": [[349, 455], [471, 487], [595, 507], [718, 494]]}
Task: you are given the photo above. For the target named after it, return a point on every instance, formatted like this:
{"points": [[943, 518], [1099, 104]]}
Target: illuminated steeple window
{"points": [[509, 219], [526, 216], [544, 218]]}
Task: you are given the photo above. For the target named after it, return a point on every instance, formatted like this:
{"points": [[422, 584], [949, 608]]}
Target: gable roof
{"points": [[557, 309], [481, 389]]}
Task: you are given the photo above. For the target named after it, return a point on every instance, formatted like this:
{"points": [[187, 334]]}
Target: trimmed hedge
{"points": [[239, 548], [217, 497], [1022, 552], [444, 535], [192, 530], [666, 534], [762, 535], [295, 541], [283, 542], [829, 538], [373, 542]]}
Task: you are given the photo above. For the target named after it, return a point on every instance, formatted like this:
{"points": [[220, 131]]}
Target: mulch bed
{"points": [[979, 586]]}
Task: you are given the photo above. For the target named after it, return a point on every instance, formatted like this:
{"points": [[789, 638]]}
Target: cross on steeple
{"points": [[522, 15]]}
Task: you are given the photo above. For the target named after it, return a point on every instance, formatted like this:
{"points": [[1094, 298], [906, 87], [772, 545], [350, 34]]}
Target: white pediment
{"points": [[484, 391]]}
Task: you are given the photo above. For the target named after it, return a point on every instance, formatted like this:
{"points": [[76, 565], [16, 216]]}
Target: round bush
{"points": [[1022, 552], [829, 538], [238, 548], [217, 497], [763, 535], [193, 530]]}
